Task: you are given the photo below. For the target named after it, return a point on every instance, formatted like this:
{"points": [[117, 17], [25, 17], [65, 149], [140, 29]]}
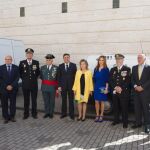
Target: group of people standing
{"points": [[76, 86]]}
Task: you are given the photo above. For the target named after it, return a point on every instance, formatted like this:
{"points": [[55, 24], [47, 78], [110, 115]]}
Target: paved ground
{"points": [[56, 134]]}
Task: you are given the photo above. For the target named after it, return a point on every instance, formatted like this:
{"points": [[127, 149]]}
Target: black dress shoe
{"points": [[6, 121], [46, 116], [25, 117], [115, 123], [136, 126], [63, 116], [50, 116], [35, 117], [72, 118], [13, 120], [125, 126], [147, 129]]}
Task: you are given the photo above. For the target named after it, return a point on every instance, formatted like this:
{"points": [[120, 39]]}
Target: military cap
{"points": [[49, 56], [119, 56], [29, 50]]}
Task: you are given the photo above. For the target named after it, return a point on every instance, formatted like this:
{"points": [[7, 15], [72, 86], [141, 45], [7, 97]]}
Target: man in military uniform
{"points": [[120, 80], [29, 72], [49, 85]]}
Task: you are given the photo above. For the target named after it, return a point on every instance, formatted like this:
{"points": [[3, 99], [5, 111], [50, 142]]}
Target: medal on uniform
{"points": [[123, 73], [24, 65], [24, 70], [34, 67], [54, 73], [114, 72]]}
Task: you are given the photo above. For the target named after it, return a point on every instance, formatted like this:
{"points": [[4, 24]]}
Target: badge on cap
{"points": [[49, 56], [29, 50]]}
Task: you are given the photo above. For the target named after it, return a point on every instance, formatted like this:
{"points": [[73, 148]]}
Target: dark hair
{"points": [[85, 61], [105, 64], [66, 54]]}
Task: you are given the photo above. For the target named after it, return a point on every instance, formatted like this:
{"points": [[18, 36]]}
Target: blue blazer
{"points": [[5, 80]]}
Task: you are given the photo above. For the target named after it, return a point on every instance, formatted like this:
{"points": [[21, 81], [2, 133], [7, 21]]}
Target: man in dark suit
{"points": [[29, 72], [66, 76], [141, 84], [120, 82], [9, 76]]}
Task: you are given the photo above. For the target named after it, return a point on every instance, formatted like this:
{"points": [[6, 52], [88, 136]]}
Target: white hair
{"points": [[143, 55]]}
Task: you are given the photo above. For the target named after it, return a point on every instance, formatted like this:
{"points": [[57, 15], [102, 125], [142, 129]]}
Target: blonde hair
{"points": [[85, 61]]}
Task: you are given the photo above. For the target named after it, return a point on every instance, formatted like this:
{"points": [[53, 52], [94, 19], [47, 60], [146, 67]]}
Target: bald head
{"points": [[141, 59], [8, 59]]}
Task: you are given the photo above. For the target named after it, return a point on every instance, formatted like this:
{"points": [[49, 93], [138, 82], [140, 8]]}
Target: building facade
{"points": [[78, 27]]}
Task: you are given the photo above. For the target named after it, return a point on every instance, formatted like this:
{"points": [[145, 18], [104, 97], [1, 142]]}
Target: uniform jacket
{"points": [[5, 80], [122, 79], [29, 74], [144, 81], [88, 85], [66, 79], [50, 75]]}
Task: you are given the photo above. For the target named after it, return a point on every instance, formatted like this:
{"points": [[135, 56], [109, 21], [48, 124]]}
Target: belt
{"points": [[48, 82]]}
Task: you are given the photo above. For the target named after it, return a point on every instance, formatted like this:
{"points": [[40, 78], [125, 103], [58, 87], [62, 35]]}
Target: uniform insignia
{"points": [[24, 70], [34, 67], [114, 72], [24, 65], [54, 72], [123, 73]]}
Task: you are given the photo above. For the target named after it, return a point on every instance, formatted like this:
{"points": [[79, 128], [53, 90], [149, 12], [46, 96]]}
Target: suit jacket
{"points": [[5, 80], [144, 81], [88, 85], [29, 74], [122, 79], [66, 79], [50, 75]]}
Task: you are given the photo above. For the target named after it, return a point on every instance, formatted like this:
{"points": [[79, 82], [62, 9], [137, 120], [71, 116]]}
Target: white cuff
{"points": [[135, 86]]}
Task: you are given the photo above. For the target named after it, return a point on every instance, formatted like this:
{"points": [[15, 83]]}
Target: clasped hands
{"points": [[138, 88], [118, 89], [9, 87]]}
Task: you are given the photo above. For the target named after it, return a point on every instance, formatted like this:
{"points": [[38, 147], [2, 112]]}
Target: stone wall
{"points": [[90, 26]]}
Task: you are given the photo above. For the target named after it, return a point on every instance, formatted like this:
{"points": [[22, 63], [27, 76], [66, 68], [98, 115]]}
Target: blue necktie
{"points": [[9, 71]]}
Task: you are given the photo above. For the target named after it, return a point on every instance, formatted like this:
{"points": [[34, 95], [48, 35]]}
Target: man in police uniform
{"points": [[29, 72], [49, 85], [120, 80]]}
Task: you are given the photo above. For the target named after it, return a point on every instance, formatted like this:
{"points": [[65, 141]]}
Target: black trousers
{"points": [[120, 106], [27, 93], [142, 108], [67, 94], [8, 101]]}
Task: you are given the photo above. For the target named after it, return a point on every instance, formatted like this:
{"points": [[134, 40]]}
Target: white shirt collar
{"points": [[67, 64], [120, 67], [9, 65], [49, 66], [142, 65], [29, 61]]}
